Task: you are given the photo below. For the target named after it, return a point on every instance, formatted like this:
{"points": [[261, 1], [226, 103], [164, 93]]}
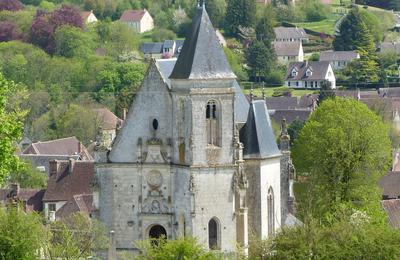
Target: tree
{"points": [[260, 58], [73, 42], [22, 235], [294, 129], [216, 9], [11, 127], [28, 177], [9, 32], [265, 25], [239, 13], [76, 237], [326, 91], [344, 148], [10, 5]]}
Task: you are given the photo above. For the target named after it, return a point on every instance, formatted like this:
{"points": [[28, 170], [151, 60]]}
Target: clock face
{"points": [[154, 179]]}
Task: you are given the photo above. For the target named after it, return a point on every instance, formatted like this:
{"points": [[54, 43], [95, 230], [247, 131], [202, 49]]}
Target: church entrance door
{"points": [[157, 231]]}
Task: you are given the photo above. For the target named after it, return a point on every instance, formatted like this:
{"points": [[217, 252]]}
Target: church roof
{"points": [[257, 135], [202, 56]]}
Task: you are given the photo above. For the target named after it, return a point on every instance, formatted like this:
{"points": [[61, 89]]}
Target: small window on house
{"points": [[306, 84], [294, 73], [52, 207], [288, 83], [155, 124], [297, 83]]}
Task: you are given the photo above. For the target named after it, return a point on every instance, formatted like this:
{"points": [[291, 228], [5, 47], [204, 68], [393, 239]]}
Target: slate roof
{"points": [[82, 203], [64, 146], [319, 70], [108, 120], [157, 47], [32, 198], [390, 47], [287, 48], [63, 185], [338, 56], [290, 33], [168, 44], [257, 135], [202, 56], [290, 115], [281, 103], [132, 15], [390, 183], [39, 160], [392, 207], [165, 67]]}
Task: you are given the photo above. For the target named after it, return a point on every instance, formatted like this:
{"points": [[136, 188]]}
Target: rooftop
{"points": [[132, 15], [338, 55]]}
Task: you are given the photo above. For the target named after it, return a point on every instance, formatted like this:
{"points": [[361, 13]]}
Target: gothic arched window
{"points": [[212, 116], [271, 211], [214, 236]]}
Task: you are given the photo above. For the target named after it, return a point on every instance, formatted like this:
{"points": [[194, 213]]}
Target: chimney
{"points": [[53, 167], [124, 114], [71, 164], [14, 190]]}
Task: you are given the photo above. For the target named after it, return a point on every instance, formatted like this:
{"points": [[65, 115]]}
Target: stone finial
{"points": [[251, 93], [263, 92], [284, 137]]}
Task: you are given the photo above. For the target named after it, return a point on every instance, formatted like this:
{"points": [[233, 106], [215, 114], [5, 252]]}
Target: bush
{"points": [[275, 78], [313, 10], [282, 92], [160, 35]]}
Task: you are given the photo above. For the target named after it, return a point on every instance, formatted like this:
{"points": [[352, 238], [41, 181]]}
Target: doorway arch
{"points": [[157, 231]]}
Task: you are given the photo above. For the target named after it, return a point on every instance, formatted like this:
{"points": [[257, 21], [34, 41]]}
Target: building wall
{"points": [[147, 23], [58, 204], [91, 18]]}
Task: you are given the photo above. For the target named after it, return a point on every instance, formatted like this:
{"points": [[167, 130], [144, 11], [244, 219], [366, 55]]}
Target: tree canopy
{"points": [[239, 13]]}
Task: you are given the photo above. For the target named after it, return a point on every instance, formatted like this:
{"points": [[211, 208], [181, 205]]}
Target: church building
{"points": [[194, 158]]}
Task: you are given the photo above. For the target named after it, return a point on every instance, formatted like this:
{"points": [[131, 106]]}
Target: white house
{"points": [[339, 59], [289, 51], [309, 74], [88, 17], [139, 20]]}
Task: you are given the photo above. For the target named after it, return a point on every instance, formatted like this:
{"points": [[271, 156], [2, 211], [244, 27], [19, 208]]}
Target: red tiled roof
{"points": [[32, 198], [64, 146], [63, 185], [392, 207], [82, 203], [107, 118], [85, 14], [132, 15]]}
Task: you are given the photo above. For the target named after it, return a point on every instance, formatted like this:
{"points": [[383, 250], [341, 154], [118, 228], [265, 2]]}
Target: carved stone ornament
{"points": [[154, 179]]}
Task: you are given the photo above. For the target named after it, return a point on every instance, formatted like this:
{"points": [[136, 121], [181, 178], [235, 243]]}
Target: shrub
{"points": [[160, 35]]}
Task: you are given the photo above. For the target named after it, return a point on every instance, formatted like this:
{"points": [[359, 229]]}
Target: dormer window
{"points": [[309, 72], [294, 72]]}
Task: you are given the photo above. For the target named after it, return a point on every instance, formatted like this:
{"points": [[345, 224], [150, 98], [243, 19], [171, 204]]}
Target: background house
{"points": [[31, 199], [309, 74], [289, 51], [166, 49], [139, 20], [338, 59], [290, 34], [88, 17]]}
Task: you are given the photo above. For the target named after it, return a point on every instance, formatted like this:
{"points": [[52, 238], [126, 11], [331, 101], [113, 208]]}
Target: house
{"points": [[88, 17], [139, 20], [68, 188], [29, 199], [290, 34], [389, 47], [390, 184], [309, 74], [41, 153], [166, 49], [338, 59], [194, 158], [289, 51], [110, 124]]}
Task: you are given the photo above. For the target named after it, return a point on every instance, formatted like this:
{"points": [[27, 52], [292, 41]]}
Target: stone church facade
{"points": [[194, 157]]}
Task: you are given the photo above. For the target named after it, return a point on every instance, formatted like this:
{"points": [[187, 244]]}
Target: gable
{"points": [[153, 101]]}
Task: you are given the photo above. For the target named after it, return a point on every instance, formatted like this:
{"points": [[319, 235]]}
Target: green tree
{"points": [[22, 235], [236, 60], [216, 9], [260, 58], [29, 177], [294, 129], [239, 13], [344, 148], [73, 42], [326, 91], [11, 126], [265, 25]]}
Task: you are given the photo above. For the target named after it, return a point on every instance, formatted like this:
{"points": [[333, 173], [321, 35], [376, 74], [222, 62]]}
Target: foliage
{"points": [[344, 148], [314, 57], [313, 10], [294, 129], [216, 9], [45, 24], [235, 59], [21, 235], [261, 58], [282, 91], [11, 126], [28, 177], [326, 91], [239, 13], [76, 237], [10, 5], [184, 248], [362, 72], [72, 42], [9, 31], [160, 35], [265, 25]]}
